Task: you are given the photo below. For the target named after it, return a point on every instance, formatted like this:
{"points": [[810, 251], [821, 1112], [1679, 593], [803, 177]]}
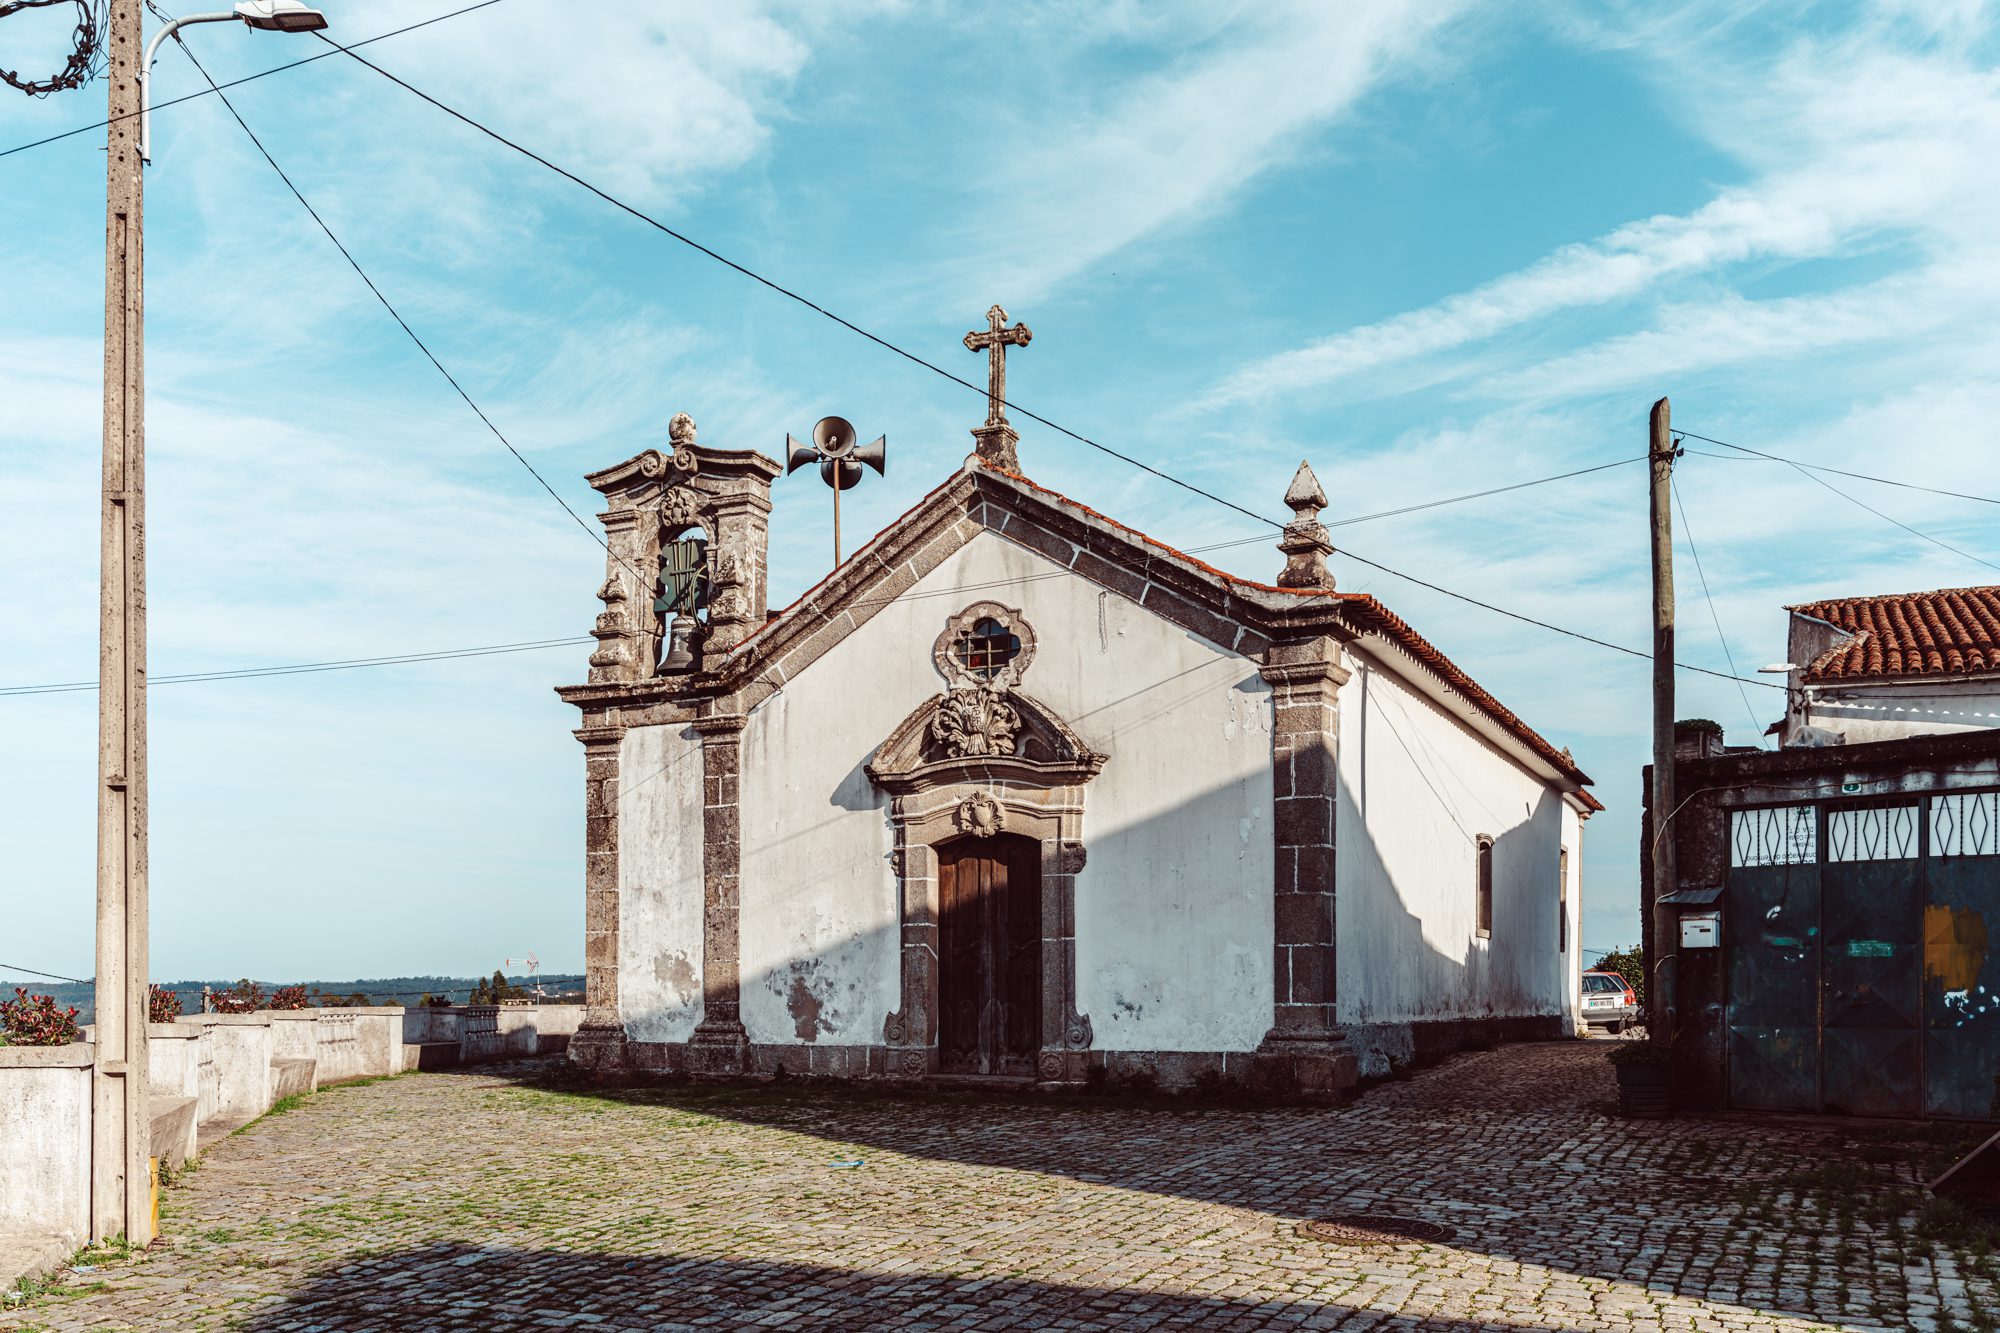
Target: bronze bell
{"points": [[680, 654]]}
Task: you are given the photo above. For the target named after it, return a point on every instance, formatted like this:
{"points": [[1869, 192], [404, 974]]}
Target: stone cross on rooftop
{"points": [[996, 438]]}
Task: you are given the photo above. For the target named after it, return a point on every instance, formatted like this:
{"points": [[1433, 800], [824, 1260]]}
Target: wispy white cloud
{"points": [[1859, 142], [1078, 179]]}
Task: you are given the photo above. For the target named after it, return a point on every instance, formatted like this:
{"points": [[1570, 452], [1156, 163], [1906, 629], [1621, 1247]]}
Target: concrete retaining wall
{"points": [[481, 1032], [207, 1074], [44, 1151]]}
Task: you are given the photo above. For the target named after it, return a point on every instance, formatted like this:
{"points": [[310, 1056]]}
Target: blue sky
{"points": [[1430, 247]]}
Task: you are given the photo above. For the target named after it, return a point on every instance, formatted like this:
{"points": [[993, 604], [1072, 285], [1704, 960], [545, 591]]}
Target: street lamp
{"points": [[121, 1200], [269, 15]]}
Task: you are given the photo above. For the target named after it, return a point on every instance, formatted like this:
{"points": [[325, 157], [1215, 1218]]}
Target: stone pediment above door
{"points": [[976, 733]]}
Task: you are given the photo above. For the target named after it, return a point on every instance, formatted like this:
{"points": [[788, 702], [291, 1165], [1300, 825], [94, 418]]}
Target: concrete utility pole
{"points": [[1659, 991], [120, 1188]]}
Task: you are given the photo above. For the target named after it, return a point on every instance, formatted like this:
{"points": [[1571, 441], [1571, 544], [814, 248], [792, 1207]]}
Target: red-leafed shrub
{"points": [[245, 997], [34, 1020], [287, 997], [162, 1005]]}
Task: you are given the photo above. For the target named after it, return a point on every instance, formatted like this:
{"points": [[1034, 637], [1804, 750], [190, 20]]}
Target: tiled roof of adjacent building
{"points": [[1950, 632]]}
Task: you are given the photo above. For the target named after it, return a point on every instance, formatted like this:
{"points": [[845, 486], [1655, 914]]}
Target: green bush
{"points": [[1629, 964]]}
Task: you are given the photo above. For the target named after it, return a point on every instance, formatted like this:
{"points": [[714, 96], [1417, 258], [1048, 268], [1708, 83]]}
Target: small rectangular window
{"points": [[1562, 902], [1485, 887]]}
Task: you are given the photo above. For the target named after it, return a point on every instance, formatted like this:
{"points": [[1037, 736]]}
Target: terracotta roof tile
{"points": [[1950, 632]]}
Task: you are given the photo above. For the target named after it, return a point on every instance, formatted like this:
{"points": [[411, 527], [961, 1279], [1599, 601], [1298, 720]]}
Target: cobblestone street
{"points": [[473, 1201]]}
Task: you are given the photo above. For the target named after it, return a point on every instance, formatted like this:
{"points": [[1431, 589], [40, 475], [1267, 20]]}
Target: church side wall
{"points": [[1173, 905], [659, 883], [1417, 790]]}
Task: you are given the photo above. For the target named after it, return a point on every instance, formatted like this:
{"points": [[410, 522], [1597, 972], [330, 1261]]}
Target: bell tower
{"points": [[659, 587]]}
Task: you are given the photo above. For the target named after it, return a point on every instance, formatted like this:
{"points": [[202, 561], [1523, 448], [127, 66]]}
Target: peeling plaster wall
{"points": [[1173, 906], [1416, 788], [659, 882]]}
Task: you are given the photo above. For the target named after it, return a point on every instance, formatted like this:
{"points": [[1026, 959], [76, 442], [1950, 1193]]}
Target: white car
{"points": [[1608, 1001]]}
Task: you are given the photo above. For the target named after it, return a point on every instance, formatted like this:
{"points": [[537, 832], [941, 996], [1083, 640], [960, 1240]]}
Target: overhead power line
{"points": [[1687, 531], [404, 324], [1842, 472], [1807, 471], [1543, 624], [1427, 504], [787, 292], [248, 78], [915, 359], [303, 668], [52, 976]]}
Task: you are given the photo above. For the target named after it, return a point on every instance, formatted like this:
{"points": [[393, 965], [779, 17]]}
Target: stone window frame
{"points": [[1482, 887], [944, 656], [926, 820]]}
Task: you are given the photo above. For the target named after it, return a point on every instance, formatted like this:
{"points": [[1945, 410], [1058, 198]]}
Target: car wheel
{"points": [[1614, 1028]]}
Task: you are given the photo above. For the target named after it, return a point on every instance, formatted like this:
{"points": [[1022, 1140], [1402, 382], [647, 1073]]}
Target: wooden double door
{"points": [[989, 955]]}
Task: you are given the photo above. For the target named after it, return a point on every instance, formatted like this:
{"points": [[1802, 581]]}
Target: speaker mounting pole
{"points": [[840, 461]]}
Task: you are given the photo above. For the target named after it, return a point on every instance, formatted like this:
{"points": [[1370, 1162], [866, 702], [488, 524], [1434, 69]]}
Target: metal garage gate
{"points": [[1863, 943]]}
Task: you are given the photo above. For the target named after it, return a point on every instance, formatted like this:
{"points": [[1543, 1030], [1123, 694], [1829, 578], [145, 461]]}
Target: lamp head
{"points": [[280, 16]]}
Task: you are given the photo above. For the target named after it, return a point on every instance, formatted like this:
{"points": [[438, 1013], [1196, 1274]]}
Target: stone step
{"points": [[173, 1128], [291, 1077], [436, 1055]]}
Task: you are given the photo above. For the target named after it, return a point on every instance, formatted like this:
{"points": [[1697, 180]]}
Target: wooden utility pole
{"points": [[1659, 989], [121, 1193]]}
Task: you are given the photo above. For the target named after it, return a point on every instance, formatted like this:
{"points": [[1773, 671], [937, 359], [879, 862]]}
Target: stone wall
{"points": [[44, 1151]]}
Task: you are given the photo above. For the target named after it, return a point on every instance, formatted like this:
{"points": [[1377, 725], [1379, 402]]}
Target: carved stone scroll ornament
{"points": [[980, 815], [975, 720]]}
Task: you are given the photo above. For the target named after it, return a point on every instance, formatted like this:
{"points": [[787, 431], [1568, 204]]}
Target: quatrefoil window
{"points": [[985, 648], [985, 644]]}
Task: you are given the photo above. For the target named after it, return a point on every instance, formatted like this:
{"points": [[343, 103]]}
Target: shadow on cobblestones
{"points": [[479, 1201], [444, 1286]]}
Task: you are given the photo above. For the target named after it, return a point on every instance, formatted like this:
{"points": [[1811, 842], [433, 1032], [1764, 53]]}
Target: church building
{"points": [[1020, 793]]}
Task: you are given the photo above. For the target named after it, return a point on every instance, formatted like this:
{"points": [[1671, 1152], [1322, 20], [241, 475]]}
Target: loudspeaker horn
{"points": [[874, 455], [834, 436], [801, 455]]}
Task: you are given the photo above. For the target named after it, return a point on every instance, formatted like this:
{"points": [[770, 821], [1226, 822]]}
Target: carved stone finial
{"points": [[1306, 544], [680, 430]]}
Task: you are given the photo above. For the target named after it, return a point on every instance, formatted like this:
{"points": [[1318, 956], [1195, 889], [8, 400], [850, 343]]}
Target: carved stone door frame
{"points": [[926, 818]]}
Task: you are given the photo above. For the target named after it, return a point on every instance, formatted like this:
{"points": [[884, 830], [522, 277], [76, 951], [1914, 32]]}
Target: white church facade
{"points": [[1019, 793]]}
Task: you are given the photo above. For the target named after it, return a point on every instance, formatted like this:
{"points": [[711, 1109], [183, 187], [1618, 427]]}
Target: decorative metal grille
{"points": [[1781, 835], [986, 648], [1967, 824], [1873, 833]]}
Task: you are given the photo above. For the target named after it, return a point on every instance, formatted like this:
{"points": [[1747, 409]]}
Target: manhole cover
{"points": [[1362, 1229]]}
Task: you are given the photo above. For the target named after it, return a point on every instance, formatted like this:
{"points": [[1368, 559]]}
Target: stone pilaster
{"points": [[599, 1043], [911, 1031], [719, 1045], [1305, 1049], [627, 644]]}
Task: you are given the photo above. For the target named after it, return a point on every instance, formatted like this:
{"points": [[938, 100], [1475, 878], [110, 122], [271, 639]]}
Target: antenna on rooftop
{"points": [[534, 967], [839, 460]]}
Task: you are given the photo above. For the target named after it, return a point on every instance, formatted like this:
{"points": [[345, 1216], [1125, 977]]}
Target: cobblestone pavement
{"points": [[473, 1201]]}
